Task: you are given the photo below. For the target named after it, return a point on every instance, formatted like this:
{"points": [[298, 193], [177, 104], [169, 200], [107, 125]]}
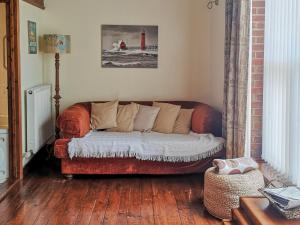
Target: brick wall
{"points": [[258, 18]]}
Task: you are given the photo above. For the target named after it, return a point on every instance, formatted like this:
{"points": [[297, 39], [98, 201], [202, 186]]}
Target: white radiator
{"points": [[4, 156], [38, 117]]}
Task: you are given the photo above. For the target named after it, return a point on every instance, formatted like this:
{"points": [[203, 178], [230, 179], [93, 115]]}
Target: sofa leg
{"points": [[68, 176]]}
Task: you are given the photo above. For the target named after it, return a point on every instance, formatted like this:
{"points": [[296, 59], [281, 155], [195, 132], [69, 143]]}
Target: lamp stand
{"points": [[57, 96]]}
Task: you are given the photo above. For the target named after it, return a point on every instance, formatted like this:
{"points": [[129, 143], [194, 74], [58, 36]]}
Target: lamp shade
{"points": [[56, 43]]}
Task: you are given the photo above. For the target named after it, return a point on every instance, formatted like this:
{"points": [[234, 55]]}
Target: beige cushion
{"points": [[104, 115], [125, 117], [166, 117], [183, 121], [145, 118]]}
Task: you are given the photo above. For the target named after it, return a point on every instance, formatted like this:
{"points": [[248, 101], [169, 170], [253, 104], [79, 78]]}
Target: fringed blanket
{"points": [[146, 146]]}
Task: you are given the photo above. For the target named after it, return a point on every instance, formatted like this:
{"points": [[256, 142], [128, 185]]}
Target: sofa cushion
{"points": [[125, 117], [183, 121], [145, 118], [104, 115], [166, 117]]}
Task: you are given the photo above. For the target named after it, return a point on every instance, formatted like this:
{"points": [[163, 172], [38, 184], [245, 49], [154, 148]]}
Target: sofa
{"points": [[74, 122]]}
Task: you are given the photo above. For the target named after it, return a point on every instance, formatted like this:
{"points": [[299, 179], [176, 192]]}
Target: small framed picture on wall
{"points": [[32, 38]]}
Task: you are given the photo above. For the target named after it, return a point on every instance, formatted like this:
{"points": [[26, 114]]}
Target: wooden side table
{"points": [[258, 211]]}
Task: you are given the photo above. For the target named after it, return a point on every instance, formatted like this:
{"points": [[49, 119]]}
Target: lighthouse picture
{"points": [[129, 46]]}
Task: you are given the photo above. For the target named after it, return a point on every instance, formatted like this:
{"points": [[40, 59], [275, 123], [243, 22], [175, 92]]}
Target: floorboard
{"points": [[6, 187], [44, 197]]}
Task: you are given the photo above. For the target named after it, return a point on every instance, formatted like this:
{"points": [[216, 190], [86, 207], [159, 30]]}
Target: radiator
{"points": [[39, 123]]}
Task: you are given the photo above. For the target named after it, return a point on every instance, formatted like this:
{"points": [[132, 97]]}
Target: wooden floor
{"points": [[6, 187], [46, 198]]}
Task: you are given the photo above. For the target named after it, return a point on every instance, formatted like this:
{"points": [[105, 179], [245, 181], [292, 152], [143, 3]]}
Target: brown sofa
{"points": [[75, 122]]}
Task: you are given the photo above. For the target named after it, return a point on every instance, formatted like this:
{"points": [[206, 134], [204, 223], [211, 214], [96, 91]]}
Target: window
{"points": [[281, 97]]}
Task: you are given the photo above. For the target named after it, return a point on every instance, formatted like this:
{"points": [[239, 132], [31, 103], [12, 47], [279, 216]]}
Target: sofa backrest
{"points": [[184, 104], [204, 119]]}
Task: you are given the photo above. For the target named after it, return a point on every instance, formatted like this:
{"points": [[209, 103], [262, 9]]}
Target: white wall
{"points": [[200, 54], [208, 53], [3, 72], [31, 64], [185, 50], [217, 38]]}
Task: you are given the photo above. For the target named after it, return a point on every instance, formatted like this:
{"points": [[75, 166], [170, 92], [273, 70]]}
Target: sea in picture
{"points": [[128, 46]]}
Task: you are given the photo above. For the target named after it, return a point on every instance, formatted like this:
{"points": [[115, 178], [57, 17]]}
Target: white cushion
{"points": [[145, 118]]}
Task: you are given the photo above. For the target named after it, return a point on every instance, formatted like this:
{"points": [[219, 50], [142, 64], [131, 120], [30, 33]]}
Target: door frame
{"points": [[14, 90]]}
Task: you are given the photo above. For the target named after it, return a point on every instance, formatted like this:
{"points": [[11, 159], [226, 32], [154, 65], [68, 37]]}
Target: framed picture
{"points": [[32, 38], [129, 46]]}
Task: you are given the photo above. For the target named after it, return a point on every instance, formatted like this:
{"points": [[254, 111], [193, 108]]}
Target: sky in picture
{"points": [[131, 34]]}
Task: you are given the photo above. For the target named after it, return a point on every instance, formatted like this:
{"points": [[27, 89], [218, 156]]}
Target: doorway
{"points": [[11, 170], [4, 146]]}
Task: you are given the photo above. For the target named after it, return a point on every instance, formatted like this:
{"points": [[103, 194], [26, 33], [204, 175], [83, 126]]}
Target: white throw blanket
{"points": [[146, 146]]}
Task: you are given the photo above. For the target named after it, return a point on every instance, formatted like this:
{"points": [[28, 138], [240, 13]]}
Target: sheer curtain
{"points": [[281, 117]]}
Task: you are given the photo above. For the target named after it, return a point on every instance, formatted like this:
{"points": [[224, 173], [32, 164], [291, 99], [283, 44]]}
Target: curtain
{"points": [[281, 103], [237, 25], [247, 151]]}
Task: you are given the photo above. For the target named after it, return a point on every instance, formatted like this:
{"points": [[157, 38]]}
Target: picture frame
{"points": [[129, 46], [32, 38]]}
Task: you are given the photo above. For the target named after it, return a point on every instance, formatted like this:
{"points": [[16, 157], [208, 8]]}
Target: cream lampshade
{"points": [[56, 44]]}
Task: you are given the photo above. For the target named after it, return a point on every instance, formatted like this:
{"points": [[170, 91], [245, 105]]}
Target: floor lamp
{"points": [[56, 44]]}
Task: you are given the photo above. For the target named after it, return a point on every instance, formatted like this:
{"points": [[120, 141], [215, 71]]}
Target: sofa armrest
{"points": [[206, 119], [61, 148], [74, 121]]}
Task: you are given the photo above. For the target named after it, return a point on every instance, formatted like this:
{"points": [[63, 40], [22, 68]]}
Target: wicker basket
{"points": [[287, 213], [222, 192]]}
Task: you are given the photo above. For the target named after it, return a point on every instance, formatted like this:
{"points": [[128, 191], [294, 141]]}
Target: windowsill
{"points": [[270, 174]]}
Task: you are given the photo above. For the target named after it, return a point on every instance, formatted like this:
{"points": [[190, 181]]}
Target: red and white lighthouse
{"points": [[143, 40]]}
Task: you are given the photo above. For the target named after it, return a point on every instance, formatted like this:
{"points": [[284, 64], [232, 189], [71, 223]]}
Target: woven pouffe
{"points": [[222, 192]]}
